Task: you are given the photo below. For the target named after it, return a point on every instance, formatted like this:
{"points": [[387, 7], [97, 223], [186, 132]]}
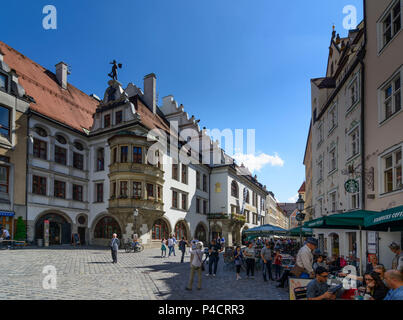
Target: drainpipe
{"points": [[26, 179], [363, 186]]}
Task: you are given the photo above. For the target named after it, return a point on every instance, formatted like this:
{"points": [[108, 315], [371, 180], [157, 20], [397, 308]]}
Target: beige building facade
{"points": [[383, 113]]}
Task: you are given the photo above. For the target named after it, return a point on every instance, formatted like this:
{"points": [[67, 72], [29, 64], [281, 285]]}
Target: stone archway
{"points": [[201, 233], [104, 227], [160, 229], [181, 230], [60, 227]]}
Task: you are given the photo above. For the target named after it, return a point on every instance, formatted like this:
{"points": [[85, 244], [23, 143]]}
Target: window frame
{"points": [[38, 185], [78, 161], [6, 183], [388, 14], [78, 192], [137, 190], [60, 155], [59, 187], [99, 194], [40, 150], [9, 125]]}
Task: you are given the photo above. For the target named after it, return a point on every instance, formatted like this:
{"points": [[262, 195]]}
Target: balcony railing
{"points": [[217, 216]]}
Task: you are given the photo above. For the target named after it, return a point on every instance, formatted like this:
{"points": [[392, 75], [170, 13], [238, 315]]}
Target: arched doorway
{"points": [[181, 230], [106, 227], [334, 240], [160, 230], [59, 229], [201, 233]]}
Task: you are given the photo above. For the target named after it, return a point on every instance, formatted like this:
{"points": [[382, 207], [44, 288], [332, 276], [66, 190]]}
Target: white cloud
{"points": [[256, 163], [294, 198]]}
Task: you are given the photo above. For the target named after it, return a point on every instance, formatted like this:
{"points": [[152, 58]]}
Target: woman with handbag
{"points": [[196, 266], [238, 261]]}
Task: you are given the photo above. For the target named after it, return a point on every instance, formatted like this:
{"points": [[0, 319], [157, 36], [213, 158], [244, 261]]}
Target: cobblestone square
{"points": [[88, 274]]}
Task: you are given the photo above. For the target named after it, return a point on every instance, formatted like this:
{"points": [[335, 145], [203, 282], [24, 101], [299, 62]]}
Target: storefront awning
{"points": [[390, 219], [348, 220], [7, 214]]}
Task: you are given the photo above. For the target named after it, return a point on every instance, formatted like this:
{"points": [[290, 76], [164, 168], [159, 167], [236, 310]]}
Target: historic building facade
{"points": [[14, 103], [337, 139], [383, 113], [100, 166]]}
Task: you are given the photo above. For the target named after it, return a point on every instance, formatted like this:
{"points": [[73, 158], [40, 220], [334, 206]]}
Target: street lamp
{"points": [[300, 215]]}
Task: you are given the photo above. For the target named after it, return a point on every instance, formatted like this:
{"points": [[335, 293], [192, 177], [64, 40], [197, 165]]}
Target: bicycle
{"points": [[131, 246]]}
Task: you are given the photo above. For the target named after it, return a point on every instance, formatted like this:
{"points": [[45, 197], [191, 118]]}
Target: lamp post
{"points": [[300, 215]]}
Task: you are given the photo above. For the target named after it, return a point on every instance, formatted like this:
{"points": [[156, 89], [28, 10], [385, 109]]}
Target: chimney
{"points": [[150, 91], [61, 74]]}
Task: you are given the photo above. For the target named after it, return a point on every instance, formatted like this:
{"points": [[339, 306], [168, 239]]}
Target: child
{"points": [[163, 248], [277, 264]]}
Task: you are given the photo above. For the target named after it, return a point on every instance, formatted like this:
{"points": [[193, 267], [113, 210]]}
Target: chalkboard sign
{"points": [[75, 239]]}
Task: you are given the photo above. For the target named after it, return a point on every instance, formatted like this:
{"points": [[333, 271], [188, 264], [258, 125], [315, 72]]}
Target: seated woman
{"points": [[375, 286], [373, 263], [320, 262]]}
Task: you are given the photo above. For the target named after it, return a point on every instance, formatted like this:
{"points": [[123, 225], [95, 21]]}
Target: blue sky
{"points": [[233, 64]]}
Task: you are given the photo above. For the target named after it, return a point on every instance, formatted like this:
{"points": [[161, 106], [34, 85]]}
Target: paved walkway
{"points": [[87, 273]]}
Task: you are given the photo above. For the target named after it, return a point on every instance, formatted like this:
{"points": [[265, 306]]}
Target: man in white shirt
{"points": [[195, 266], [171, 246], [305, 258]]}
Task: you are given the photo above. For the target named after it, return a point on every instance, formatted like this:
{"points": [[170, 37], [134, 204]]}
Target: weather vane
{"points": [[114, 73]]}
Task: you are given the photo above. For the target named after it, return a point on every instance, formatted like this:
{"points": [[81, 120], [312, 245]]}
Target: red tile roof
{"points": [[71, 107], [302, 189]]}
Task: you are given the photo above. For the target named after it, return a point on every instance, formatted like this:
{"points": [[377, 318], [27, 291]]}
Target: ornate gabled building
{"points": [[337, 138], [125, 165]]}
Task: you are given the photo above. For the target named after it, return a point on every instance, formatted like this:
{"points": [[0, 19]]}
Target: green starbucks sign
{"points": [[352, 186]]}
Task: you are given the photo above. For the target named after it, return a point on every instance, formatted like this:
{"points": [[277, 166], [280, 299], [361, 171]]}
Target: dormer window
{"points": [[3, 82], [107, 121], [119, 117], [61, 139]]}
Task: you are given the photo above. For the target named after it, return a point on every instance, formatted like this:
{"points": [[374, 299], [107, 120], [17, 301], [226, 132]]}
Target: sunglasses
{"points": [[367, 279]]}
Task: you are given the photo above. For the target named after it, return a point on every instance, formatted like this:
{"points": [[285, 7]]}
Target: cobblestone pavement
{"points": [[88, 274]]}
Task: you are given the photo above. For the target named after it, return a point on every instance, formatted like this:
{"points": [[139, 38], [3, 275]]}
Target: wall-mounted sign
{"points": [[352, 186]]}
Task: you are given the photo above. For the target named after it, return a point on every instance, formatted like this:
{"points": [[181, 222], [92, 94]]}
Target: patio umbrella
{"points": [[297, 231], [353, 220], [265, 231], [387, 220]]}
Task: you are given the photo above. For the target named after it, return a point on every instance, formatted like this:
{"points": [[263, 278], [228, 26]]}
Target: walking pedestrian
{"points": [[163, 248], [214, 252], [115, 242], [174, 243], [249, 253], [196, 264], [170, 243], [182, 247], [266, 255], [238, 261]]}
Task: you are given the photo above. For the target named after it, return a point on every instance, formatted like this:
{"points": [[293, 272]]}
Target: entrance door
{"points": [[66, 233], [81, 233]]}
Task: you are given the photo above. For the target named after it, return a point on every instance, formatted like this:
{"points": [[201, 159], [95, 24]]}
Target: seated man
{"points": [[318, 288], [394, 280]]}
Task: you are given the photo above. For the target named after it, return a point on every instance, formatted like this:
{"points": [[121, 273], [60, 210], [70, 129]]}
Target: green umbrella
{"points": [[390, 219], [306, 232]]}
